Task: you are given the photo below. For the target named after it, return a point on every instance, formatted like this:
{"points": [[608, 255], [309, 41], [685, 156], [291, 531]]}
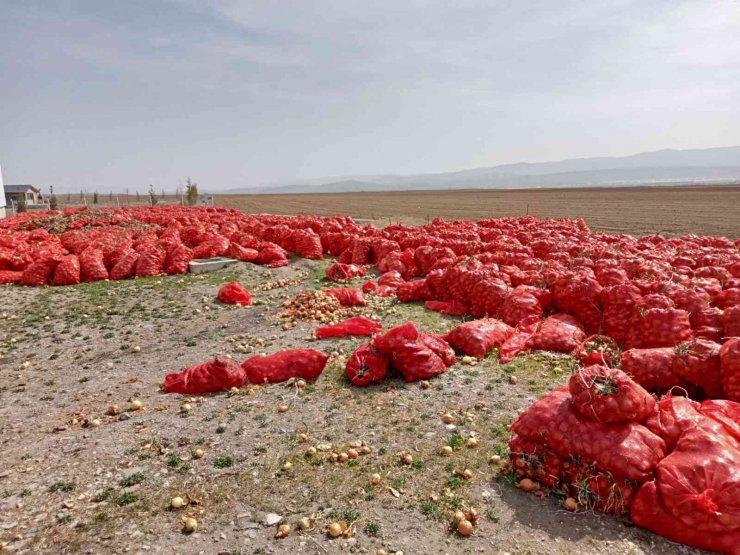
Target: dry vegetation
{"points": [[634, 210]]}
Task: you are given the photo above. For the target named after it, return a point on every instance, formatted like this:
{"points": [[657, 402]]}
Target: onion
{"points": [[365, 450], [570, 504], [446, 451], [495, 459], [335, 529], [467, 474], [352, 453], [189, 525], [311, 451], [464, 528], [303, 523], [343, 457], [424, 384], [303, 438], [186, 407], [113, 410], [459, 516], [198, 453], [282, 531], [375, 479], [467, 360], [135, 349], [406, 459], [282, 408], [177, 503], [288, 465], [447, 418], [513, 379], [136, 405], [527, 485], [472, 442]]}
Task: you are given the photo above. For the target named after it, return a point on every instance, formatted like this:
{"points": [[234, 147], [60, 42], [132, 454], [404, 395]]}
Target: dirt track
{"points": [[634, 210]]}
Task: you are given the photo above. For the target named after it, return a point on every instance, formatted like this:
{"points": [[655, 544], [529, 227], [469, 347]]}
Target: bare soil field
{"points": [[74, 479], [634, 210]]}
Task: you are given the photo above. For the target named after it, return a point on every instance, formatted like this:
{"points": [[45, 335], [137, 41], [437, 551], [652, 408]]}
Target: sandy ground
{"points": [[66, 354]]}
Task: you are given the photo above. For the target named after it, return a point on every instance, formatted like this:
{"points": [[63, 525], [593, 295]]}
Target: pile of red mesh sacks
{"points": [[673, 466], [415, 355]]}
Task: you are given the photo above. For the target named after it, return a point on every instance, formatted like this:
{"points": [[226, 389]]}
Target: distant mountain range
{"points": [[700, 166]]}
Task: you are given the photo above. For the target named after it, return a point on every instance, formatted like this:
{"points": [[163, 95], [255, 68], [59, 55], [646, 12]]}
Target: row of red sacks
{"points": [[672, 465]]}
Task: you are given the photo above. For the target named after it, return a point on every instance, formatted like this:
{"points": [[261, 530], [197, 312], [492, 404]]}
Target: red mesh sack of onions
{"points": [[628, 450], [347, 296], [729, 356], [535, 461], [234, 293], [366, 366], [478, 337], [344, 272], [279, 367], [67, 271], [358, 325], [559, 333], [609, 395], [698, 363], [450, 308], [416, 356], [652, 368], [215, 375]]}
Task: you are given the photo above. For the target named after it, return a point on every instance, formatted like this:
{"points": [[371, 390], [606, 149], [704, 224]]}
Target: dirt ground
{"points": [[69, 485], [635, 210]]}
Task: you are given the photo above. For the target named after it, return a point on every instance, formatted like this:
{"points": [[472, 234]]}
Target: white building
{"points": [[2, 195]]}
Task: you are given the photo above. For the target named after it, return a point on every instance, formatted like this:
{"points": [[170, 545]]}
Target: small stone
{"points": [[271, 519]]}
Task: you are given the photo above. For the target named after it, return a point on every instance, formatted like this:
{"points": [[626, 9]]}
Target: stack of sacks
{"points": [[415, 355], [588, 439]]}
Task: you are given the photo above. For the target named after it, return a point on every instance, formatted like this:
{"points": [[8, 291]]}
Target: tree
{"points": [[137, 196], [162, 195], [191, 193], [95, 197], [82, 196], [152, 195], [69, 197], [110, 197], [21, 203], [53, 202]]}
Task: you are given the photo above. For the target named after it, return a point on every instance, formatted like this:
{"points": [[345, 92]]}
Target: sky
{"points": [[110, 95]]}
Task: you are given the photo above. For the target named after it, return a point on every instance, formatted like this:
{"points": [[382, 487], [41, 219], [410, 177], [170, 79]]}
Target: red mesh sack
{"points": [[729, 357], [178, 260], [731, 321], [440, 347], [344, 272], [520, 305], [353, 326], [487, 297], [727, 413], [599, 490], [272, 255], [150, 262], [391, 279], [217, 246], [478, 337], [517, 341], [40, 272], [619, 302], [279, 367], [609, 395], [697, 362], [628, 450], [579, 294], [234, 293], [648, 511], [366, 366], [559, 333], [10, 276], [218, 374], [535, 461], [347, 296], [672, 417], [92, 265], [126, 266], [307, 244], [598, 349], [242, 253], [408, 354], [699, 482], [67, 271], [661, 327], [413, 291], [450, 308], [651, 368], [727, 298]]}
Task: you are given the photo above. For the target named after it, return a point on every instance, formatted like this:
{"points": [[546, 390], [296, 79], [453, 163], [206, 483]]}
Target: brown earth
{"points": [[635, 210], [66, 354]]}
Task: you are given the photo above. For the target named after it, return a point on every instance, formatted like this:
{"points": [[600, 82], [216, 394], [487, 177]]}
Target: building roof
{"points": [[20, 188]]}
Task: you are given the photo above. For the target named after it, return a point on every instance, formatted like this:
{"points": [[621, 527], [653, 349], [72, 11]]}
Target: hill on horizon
{"points": [[697, 166]]}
